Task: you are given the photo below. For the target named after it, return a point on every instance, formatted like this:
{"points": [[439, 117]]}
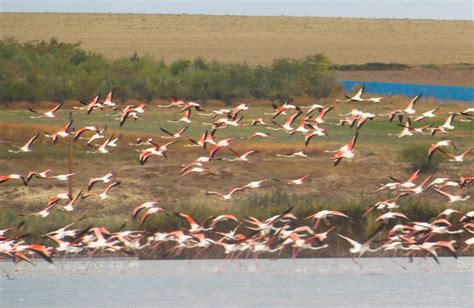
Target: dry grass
{"points": [[254, 40], [348, 187], [158, 179]]}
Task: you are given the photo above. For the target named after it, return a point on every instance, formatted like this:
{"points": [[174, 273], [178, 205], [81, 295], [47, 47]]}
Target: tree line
{"points": [[52, 70]]}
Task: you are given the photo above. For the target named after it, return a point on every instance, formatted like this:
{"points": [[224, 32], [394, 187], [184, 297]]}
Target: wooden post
{"points": [[70, 159]]}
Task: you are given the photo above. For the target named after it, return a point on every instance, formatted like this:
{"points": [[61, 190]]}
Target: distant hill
{"points": [[255, 40]]}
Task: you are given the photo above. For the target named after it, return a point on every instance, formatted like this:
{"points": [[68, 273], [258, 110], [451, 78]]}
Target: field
{"points": [[255, 40], [349, 187], [438, 52]]}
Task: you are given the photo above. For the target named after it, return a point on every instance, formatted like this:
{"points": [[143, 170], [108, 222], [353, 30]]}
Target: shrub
{"points": [[371, 66], [51, 70], [417, 157]]}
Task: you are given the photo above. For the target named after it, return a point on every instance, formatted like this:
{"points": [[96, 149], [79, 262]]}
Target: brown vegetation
{"points": [[255, 40]]}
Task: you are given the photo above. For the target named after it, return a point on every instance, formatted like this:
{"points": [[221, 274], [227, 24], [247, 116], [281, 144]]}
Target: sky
{"points": [[413, 9]]}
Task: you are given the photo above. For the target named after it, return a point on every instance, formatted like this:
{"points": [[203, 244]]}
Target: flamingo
{"points": [[346, 151], [318, 216], [448, 212], [105, 194], [223, 143], [13, 176], [186, 118], [320, 118], [287, 126], [457, 158], [418, 189], [175, 102], [389, 204], [292, 155], [27, 147], [358, 248], [286, 106], [356, 98], [145, 205], [409, 109], [227, 196], [70, 206], [150, 211], [197, 170], [310, 135], [104, 179], [255, 184], [377, 99], [243, 157], [108, 101], [94, 103], [202, 141], [193, 226], [448, 125], [258, 121], [259, 134], [313, 108], [427, 114], [452, 198], [390, 215], [39, 175], [56, 198], [47, 114], [437, 145], [63, 132], [178, 134], [298, 181], [82, 130], [65, 177], [43, 213], [103, 148]]}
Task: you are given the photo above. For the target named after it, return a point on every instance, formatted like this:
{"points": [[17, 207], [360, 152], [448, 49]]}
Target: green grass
{"points": [[349, 187]]}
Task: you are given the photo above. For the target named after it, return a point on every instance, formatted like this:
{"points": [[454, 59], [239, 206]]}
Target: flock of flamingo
{"points": [[396, 232]]}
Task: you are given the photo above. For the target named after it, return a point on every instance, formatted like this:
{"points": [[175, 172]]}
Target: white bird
{"points": [[27, 147], [105, 194], [64, 177], [226, 196], [356, 98], [296, 154], [104, 179], [358, 248], [457, 158], [427, 114], [452, 198], [48, 114], [411, 105], [255, 184], [377, 99]]}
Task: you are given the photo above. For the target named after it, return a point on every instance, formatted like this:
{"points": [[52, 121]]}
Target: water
{"points": [[257, 283], [452, 93]]}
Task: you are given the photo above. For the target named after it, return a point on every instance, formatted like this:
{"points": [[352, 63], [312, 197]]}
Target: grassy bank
{"points": [[349, 187]]}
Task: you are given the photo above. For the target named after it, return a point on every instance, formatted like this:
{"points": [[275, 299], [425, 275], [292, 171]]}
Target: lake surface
{"points": [[451, 93], [223, 283]]}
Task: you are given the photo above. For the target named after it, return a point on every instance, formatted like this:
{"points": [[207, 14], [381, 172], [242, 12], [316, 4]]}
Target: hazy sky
{"points": [[426, 9]]}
